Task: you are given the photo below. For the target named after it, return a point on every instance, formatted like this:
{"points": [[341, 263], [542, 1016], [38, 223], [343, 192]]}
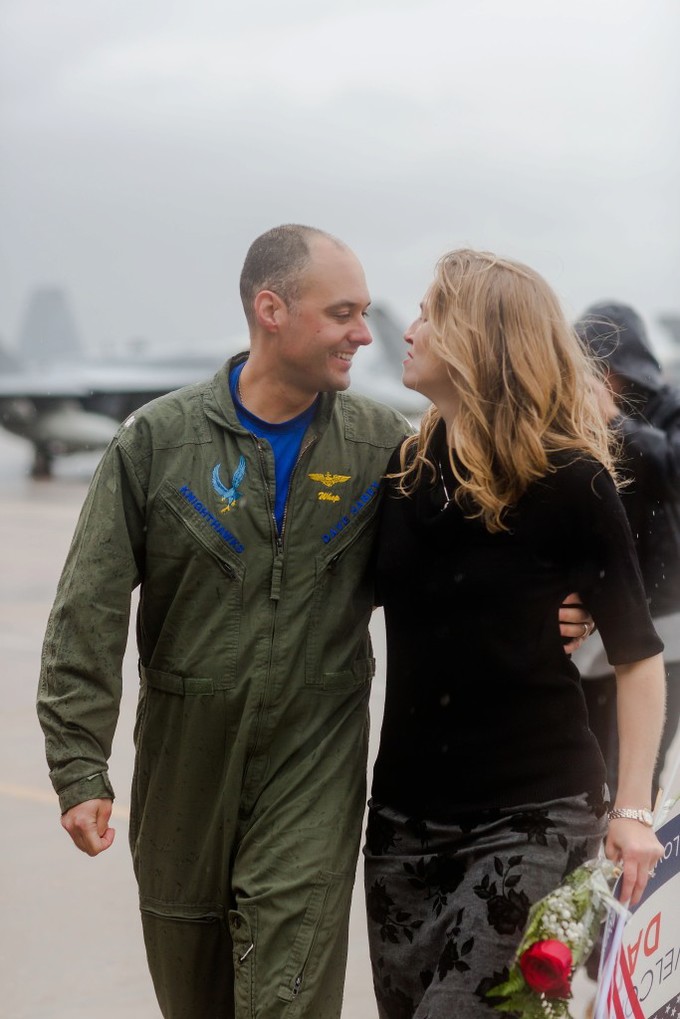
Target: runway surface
{"points": [[70, 937]]}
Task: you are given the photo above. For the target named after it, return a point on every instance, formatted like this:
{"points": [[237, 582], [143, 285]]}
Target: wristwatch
{"points": [[643, 816]]}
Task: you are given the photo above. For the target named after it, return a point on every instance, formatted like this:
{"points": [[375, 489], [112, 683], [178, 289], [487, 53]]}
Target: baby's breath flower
{"points": [[560, 934]]}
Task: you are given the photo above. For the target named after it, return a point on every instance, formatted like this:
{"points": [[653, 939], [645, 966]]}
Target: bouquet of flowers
{"points": [[559, 936]]}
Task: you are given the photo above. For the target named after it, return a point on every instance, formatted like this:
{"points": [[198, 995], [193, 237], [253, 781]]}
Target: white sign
{"points": [[646, 977]]}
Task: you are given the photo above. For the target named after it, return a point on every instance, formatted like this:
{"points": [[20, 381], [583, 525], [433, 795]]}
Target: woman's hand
{"points": [[640, 696], [637, 850]]}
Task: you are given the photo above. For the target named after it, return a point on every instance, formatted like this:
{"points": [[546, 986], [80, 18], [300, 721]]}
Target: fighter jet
{"points": [[63, 401], [77, 408]]}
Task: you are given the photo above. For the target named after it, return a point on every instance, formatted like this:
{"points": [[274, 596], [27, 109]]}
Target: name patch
{"points": [[204, 512], [354, 511]]}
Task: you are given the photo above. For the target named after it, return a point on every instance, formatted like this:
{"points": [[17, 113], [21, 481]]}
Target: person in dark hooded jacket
{"points": [[645, 411]]}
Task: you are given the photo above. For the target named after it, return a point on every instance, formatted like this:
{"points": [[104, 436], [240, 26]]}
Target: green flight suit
{"points": [[255, 665]]}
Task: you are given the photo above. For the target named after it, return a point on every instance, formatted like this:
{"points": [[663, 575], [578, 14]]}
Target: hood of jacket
{"points": [[615, 333]]}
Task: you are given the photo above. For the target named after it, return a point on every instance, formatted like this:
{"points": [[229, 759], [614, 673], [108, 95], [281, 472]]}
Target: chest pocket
{"points": [[192, 593], [339, 655]]}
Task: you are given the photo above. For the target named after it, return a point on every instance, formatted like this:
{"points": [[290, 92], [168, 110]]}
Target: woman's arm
{"points": [[640, 690]]}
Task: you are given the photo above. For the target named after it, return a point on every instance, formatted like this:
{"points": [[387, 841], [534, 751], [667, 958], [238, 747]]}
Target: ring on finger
{"points": [[586, 630]]}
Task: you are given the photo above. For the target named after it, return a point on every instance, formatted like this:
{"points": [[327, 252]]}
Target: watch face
{"points": [[647, 818]]}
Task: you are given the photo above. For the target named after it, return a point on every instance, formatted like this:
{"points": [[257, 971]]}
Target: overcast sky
{"points": [[145, 143]]}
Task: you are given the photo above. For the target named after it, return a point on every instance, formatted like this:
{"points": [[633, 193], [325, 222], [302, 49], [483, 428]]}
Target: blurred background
{"points": [[146, 143]]}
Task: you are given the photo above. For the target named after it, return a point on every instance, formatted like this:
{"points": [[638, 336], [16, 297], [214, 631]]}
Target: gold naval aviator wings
{"points": [[328, 480]]}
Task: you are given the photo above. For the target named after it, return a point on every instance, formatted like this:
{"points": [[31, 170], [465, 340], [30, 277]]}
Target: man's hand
{"points": [[576, 623], [88, 825]]}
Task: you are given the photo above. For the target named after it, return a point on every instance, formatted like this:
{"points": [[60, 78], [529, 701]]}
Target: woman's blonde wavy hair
{"points": [[524, 383]]}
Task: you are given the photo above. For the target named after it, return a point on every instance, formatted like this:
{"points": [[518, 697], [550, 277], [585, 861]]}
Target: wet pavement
{"points": [[70, 936]]}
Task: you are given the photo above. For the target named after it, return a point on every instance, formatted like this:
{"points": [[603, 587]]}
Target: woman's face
{"points": [[423, 369]]}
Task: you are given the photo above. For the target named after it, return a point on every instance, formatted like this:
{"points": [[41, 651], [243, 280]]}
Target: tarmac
{"points": [[70, 936]]}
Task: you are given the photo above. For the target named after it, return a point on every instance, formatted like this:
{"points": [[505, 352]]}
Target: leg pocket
{"points": [[243, 937], [315, 971], [302, 946]]}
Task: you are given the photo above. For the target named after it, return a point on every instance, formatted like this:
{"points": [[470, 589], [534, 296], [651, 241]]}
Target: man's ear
{"points": [[270, 310]]}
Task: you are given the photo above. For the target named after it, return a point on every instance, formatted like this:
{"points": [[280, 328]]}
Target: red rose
{"points": [[546, 966]]}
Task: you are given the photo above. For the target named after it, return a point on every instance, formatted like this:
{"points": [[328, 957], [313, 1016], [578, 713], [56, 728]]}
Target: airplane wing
{"points": [[28, 384]]}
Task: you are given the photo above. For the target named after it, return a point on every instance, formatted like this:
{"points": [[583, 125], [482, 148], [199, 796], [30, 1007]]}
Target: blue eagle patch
{"points": [[229, 495]]}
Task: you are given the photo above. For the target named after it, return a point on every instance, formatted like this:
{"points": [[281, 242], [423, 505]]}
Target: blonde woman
{"points": [[489, 786]]}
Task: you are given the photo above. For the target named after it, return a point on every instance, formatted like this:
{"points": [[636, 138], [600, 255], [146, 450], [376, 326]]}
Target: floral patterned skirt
{"points": [[447, 903]]}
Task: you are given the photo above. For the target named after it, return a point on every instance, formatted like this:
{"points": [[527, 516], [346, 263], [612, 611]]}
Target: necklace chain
{"points": [[447, 497]]}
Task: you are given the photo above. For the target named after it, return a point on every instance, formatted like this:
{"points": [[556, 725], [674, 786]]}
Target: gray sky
{"points": [[145, 143]]}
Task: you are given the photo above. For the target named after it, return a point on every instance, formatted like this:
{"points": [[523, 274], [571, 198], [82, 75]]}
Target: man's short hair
{"points": [[277, 260]]}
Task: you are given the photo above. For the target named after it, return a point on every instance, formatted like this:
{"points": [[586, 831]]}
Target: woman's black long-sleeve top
{"points": [[483, 707]]}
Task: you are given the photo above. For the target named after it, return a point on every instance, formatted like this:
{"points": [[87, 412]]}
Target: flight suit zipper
{"points": [[275, 585], [277, 564]]}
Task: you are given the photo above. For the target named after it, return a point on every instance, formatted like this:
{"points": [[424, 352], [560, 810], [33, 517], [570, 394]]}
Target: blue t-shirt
{"points": [[284, 438]]}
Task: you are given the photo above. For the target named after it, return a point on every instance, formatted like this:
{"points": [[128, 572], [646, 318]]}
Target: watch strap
{"points": [[640, 814]]}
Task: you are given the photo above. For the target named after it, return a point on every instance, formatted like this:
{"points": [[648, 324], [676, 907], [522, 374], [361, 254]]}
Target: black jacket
{"points": [[650, 430]]}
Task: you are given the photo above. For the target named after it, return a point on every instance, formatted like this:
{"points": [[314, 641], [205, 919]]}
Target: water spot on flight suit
{"points": [[445, 700]]}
